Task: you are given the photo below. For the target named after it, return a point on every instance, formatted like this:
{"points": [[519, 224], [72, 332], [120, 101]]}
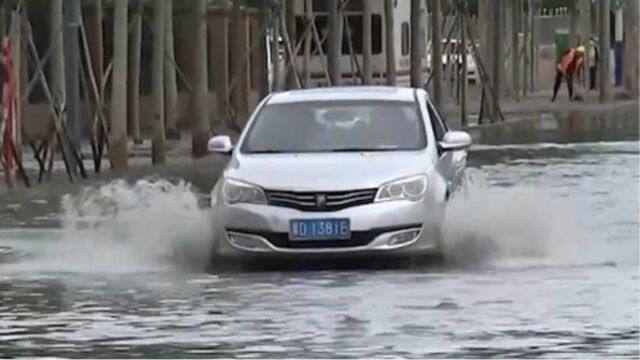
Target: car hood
{"points": [[326, 172]]}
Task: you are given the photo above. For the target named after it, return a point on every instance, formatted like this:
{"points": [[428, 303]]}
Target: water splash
{"points": [[521, 225], [154, 224], [122, 227]]}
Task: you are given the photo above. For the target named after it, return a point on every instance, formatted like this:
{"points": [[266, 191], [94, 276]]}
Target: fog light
{"points": [[247, 242], [404, 237]]}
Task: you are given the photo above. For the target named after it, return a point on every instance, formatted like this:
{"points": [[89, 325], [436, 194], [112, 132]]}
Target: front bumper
{"points": [[395, 227]]}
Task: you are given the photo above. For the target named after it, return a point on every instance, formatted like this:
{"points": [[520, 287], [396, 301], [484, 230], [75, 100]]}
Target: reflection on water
{"points": [[542, 260], [565, 311]]}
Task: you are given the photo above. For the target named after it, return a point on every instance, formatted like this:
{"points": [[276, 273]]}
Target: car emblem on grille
{"points": [[321, 200]]}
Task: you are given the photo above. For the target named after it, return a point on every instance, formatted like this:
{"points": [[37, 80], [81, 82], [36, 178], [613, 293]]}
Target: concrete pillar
{"points": [[133, 78], [170, 79], [436, 51], [238, 64], [118, 132], [157, 84], [366, 43], [631, 48], [290, 21], [618, 46], [200, 128], [275, 56], [464, 80], [573, 23], [306, 63], [56, 66], [335, 42], [73, 19], [535, 40], [389, 43], [604, 75], [219, 60], [515, 58], [498, 64], [416, 45]]}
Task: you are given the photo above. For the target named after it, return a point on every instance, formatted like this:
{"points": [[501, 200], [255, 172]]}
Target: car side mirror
{"points": [[220, 144], [455, 140]]}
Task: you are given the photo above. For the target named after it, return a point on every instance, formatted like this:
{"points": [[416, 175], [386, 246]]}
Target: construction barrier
{"points": [[8, 127]]}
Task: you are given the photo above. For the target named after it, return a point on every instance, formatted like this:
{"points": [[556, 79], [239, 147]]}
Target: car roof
{"points": [[336, 93]]}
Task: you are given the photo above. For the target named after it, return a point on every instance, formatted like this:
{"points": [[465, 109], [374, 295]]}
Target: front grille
{"points": [[321, 201]]}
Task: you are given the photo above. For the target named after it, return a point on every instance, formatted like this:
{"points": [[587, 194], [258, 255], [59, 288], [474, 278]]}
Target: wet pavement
{"points": [[541, 261]]}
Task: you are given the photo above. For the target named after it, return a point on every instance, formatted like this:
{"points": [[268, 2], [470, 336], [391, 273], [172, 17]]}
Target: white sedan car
{"points": [[337, 172]]}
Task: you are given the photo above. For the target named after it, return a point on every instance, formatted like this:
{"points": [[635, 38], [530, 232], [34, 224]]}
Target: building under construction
{"points": [[101, 72]]}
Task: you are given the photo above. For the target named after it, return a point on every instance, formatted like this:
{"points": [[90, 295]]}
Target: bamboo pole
{"points": [[471, 33], [356, 71], [70, 155], [135, 49], [171, 83], [96, 47], [450, 52], [118, 131], [367, 70], [311, 27], [99, 123], [447, 47], [290, 52], [56, 67], [483, 19], [157, 82], [93, 54]]}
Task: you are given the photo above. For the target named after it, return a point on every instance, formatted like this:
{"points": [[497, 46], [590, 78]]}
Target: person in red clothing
{"points": [[569, 66]]}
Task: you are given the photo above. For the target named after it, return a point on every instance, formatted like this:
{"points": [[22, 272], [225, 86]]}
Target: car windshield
{"points": [[336, 126]]}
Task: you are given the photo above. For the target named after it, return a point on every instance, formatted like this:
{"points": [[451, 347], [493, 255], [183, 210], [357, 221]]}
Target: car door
{"points": [[451, 164]]}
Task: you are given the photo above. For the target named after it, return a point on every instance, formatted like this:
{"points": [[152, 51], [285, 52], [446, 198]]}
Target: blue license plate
{"points": [[320, 229]]}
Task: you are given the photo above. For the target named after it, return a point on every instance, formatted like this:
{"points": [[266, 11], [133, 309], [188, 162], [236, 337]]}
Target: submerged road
{"points": [[542, 261]]}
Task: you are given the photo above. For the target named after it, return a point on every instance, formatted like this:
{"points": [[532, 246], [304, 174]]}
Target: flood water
{"points": [[541, 261]]}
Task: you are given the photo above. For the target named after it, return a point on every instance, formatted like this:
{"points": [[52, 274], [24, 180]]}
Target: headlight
{"points": [[234, 192], [411, 188]]}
